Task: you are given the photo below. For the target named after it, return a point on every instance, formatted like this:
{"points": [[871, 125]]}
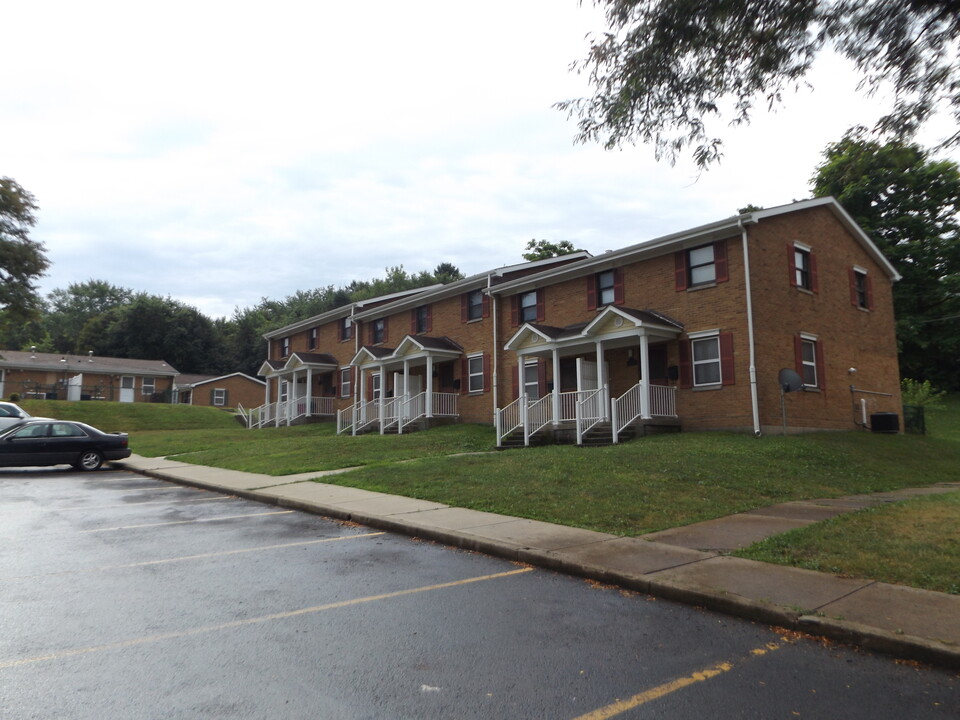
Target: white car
{"points": [[11, 414]]}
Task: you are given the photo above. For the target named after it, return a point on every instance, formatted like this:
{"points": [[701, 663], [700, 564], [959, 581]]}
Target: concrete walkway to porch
{"points": [[685, 564]]}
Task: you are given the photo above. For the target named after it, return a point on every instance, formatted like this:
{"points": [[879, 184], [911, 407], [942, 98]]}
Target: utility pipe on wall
{"points": [[754, 400]]}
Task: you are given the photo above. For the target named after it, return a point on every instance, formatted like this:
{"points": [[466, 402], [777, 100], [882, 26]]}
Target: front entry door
{"points": [[126, 388]]}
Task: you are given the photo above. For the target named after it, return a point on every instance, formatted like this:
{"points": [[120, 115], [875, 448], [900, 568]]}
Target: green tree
{"points": [[908, 203], [543, 249], [68, 310], [22, 260], [665, 68]]}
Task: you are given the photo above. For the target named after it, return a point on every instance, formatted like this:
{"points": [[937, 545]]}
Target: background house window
{"points": [[378, 331], [706, 361], [285, 347], [531, 379], [219, 397], [475, 305], [312, 344], [528, 307], [701, 266], [148, 386], [345, 375], [475, 373]]}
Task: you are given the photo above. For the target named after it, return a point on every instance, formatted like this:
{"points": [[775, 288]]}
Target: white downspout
{"points": [[496, 351], [754, 400]]}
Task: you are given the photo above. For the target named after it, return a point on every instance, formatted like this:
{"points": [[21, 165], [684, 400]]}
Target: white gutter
{"points": [[754, 401], [496, 351]]}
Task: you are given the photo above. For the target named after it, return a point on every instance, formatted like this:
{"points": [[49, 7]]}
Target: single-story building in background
{"points": [[221, 391], [58, 376]]}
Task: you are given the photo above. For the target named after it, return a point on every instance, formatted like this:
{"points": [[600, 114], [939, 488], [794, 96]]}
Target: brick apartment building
{"points": [[689, 330]]}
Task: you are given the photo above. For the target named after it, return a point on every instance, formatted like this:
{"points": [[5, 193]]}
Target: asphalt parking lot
{"points": [[128, 597]]}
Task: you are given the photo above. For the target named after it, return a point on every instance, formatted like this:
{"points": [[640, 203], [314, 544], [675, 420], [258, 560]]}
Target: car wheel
{"points": [[89, 460]]}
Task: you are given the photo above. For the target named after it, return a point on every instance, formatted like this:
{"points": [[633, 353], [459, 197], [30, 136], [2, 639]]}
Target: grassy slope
{"points": [[912, 543]]}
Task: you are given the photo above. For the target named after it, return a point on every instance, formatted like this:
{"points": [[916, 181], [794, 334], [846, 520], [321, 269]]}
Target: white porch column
{"points": [[428, 387], [556, 386], [309, 390], [644, 377], [383, 393], [266, 391], [404, 403], [602, 381]]}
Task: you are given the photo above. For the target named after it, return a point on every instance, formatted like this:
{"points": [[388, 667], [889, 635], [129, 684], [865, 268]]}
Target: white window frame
{"points": [[219, 397], [526, 306], [475, 375], [346, 328], [285, 346], [701, 339], [860, 281], [148, 386], [421, 313], [535, 383], [379, 330], [345, 388], [606, 294], [803, 275], [314, 338], [474, 309], [808, 340], [692, 267], [376, 383]]}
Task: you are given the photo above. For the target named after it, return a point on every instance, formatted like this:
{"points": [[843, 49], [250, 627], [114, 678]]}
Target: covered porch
{"points": [[404, 389], [591, 383], [298, 390]]}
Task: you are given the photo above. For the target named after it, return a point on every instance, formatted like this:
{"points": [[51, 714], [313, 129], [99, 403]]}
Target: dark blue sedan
{"points": [[60, 442]]}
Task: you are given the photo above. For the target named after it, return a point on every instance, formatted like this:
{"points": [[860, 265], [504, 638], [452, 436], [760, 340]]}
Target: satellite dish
{"points": [[789, 380]]}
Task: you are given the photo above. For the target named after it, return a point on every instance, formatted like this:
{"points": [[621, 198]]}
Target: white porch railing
{"points": [[539, 415], [628, 407], [365, 414], [286, 412], [663, 401], [345, 419], [412, 409], [591, 411], [445, 405], [391, 414], [510, 418]]}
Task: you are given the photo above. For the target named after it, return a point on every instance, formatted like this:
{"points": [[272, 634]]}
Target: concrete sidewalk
{"points": [[684, 564]]}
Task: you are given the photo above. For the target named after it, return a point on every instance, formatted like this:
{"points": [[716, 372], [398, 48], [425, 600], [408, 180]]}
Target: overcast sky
{"points": [[220, 152]]}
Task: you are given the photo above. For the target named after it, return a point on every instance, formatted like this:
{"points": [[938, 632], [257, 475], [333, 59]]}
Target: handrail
{"points": [[663, 401], [412, 409], [509, 418], [539, 415], [345, 419], [365, 414], [591, 412]]}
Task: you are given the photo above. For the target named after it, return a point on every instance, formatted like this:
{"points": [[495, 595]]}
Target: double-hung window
{"points": [[421, 320], [285, 347], [531, 379], [148, 386], [706, 360], [312, 343], [803, 267], [378, 331], [808, 361], [605, 287], [345, 374], [861, 289], [472, 306], [345, 329], [475, 373], [701, 266], [219, 397], [528, 307]]}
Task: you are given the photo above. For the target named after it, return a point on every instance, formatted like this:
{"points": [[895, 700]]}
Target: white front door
{"points": [[586, 375], [414, 384], [126, 388]]}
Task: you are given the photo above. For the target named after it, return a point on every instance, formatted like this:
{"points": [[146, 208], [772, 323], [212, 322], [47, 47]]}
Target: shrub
{"points": [[921, 394]]}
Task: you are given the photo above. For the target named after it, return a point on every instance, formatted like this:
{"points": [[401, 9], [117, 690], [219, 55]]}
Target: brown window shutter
{"points": [[340, 331], [814, 276], [542, 376], [464, 375], [386, 327], [541, 306], [821, 370], [618, 293], [686, 368], [852, 280], [515, 385], [464, 307], [515, 310], [429, 327], [485, 306], [413, 321], [591, 292], [486, 372], [726, 359], [720, 260], [792, 264], [680, 270], [798, 354], [869, 282]]}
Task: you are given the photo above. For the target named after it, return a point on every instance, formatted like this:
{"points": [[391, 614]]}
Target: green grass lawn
{"points": [[645, 485]]}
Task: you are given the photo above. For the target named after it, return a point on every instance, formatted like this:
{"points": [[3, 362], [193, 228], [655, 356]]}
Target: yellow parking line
{"points": [[183, 558], [621, 706], [187, 522], [60, 655], [146, 502]]}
